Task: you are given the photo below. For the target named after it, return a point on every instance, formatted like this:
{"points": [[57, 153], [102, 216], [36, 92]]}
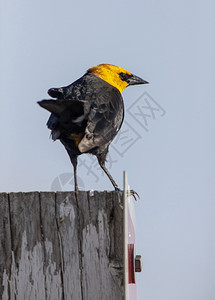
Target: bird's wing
{"points": [[104, 120]]}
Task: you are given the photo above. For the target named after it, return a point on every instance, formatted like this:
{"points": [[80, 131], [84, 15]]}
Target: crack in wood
{"points": [[61, 250], [79, 245], [11, 243], [43, 246]]}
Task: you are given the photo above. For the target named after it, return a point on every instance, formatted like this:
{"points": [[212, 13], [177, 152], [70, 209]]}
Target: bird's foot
{"points": [[117, 189], [76, 191], [129, 192], [134, 194]]}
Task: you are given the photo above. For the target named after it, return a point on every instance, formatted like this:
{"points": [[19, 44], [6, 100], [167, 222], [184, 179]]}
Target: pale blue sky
{"points": [[168, 43]]}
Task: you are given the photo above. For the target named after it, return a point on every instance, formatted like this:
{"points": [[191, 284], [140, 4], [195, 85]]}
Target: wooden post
{"points": [[57, 246]]}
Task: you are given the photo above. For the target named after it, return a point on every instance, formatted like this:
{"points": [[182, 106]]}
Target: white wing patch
{"points": [[78, 119], [90, 141]]}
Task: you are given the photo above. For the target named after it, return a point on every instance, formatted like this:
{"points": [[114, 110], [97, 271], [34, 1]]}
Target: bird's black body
{"points": [[97, 104], [87, 114]]}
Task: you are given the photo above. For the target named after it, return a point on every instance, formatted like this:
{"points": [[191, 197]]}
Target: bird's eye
{"points": [[124, 76]]}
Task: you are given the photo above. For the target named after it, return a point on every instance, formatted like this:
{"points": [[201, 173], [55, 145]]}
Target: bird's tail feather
{"points": [[62, 107]]}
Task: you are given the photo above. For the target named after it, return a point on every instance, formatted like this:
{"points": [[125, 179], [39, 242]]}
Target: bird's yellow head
{"points": [[116, 76]]}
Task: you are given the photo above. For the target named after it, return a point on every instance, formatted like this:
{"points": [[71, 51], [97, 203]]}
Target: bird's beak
{"points": [[136, 80]]}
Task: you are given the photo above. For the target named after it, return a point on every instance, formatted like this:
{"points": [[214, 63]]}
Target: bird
{"points": [[87, 114]]}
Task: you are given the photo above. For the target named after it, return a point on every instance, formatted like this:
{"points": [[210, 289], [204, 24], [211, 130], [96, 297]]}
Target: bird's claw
{"points": [[134, 194], [117, 189]]}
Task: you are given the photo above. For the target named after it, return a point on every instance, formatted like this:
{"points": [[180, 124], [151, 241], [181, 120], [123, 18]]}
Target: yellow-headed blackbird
{"points": [[88, 113]]}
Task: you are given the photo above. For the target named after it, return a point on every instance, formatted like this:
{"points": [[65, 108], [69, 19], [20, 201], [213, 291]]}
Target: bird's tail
{"points": [[65, 114]]}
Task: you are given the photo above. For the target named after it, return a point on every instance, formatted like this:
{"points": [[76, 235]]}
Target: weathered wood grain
{"points": [[53, 263], [61, 246], [102, 262], [27, 276], [5, 246], [68, 230]]}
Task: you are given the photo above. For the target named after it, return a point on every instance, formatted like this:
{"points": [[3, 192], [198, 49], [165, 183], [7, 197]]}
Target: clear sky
{"points": [[168, 151]]}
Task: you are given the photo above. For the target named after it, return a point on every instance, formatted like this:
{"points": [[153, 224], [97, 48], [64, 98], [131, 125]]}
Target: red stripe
{"points": [[131, 271]]}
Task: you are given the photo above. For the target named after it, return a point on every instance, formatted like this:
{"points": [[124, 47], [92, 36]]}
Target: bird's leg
{"points": [[75, 162], [101, 160], [110, 177]]}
